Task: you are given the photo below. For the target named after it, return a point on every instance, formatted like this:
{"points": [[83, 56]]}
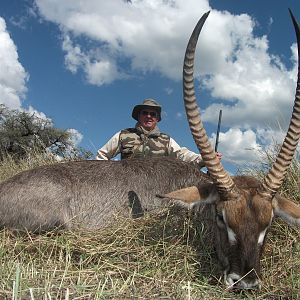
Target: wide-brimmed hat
{"points": [[147, 103]]}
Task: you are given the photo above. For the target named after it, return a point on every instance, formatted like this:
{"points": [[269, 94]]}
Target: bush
{"points": [[22, 134]]}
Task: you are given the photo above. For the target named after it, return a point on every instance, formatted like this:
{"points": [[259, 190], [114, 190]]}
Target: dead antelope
{"points": [[90, 193]]}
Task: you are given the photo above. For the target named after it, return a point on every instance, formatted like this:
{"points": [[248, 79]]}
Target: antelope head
{"points": [[243, 207]]}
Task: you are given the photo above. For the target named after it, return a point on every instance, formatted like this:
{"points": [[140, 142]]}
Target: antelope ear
{"points": [[287, 210], [187, 195], [204, 193]]}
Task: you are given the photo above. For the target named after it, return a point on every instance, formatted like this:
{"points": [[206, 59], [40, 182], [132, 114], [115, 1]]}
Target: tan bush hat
{"points": [[147, 103]]}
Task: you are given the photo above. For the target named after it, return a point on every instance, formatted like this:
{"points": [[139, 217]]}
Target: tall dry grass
{"points": [[9, 166], [162, 256]]}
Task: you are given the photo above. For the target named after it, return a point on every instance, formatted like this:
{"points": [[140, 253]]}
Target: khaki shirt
{"points": [[112, 149]]}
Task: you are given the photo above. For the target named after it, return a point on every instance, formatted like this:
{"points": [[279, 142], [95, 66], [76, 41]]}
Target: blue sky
{"points": [[85, 64]]}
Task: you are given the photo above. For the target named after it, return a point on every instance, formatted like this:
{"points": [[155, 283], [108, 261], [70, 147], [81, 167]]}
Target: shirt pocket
{"points": [[128, 148]]}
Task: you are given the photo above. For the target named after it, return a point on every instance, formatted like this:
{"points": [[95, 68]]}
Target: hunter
{"points": [[145, 139]]}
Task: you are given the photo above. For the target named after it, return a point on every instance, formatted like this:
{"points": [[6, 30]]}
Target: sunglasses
{"points": [[152, 114]]}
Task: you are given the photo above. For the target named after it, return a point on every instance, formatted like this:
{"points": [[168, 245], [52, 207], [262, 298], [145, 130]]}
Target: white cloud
{"points": [[237, 67], [238, 146], [101, 71], [74, 57], [244, 147], [38, 114], [13, 79], [256, 86], [76, 136], [152, 35], [98, 67], [168, 90], [141, 31], [13, 76]]}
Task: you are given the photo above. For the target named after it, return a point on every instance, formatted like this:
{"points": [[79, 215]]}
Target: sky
{"points": [[85, 64]]}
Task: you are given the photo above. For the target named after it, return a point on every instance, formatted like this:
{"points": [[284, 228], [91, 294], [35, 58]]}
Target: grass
{"points": [[162, 256], [10, 167]]}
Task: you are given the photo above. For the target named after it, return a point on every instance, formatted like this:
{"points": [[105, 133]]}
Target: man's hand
{"points": [[219, 155]]}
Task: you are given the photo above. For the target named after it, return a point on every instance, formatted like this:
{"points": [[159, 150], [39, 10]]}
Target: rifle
{"points": [[218, 131]]}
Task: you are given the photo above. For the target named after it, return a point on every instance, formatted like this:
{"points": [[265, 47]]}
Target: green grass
{"points": [[162, 256]]}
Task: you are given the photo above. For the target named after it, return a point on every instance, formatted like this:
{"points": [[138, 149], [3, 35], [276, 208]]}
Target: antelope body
{"points": [[91, 192]]}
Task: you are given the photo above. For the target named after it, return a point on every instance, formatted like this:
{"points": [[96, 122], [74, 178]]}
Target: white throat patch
{"points": [[263, 233], [230, 232]]}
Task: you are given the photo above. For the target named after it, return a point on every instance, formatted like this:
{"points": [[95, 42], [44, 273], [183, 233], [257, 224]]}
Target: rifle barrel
{"points": [[218, 131]]}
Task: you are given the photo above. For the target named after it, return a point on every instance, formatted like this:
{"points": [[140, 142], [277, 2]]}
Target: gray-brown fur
{"points": [[89, 192], [238, 226], [247, 217]]}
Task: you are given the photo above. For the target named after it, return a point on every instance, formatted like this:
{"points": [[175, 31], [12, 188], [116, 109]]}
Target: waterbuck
{"points": [[89, 193]]}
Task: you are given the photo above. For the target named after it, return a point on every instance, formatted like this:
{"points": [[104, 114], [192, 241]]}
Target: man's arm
{"points": [[184, 153], [110, 149]]}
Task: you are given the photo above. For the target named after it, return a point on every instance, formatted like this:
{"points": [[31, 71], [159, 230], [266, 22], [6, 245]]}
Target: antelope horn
{"points": [[274, 178], [225, 184]]}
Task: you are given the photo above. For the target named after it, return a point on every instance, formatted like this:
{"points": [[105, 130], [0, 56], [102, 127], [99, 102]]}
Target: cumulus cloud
{"points": [[236, 66], [246, 147], [143, 32], [239, 146], [254, 87], [76, 136], [13, 79], [13, 76], [38, 114], [98, 67]]}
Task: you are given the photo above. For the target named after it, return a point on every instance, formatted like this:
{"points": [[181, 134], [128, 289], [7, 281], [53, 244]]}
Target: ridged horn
{"points": [[225, 184], [276, 175]]}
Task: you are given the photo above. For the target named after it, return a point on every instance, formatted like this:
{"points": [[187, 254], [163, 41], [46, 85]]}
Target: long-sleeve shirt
{"points": [[112, 149]]}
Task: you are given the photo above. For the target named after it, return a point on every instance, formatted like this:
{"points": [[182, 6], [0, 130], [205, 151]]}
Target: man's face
{"points": [[148, 118]]}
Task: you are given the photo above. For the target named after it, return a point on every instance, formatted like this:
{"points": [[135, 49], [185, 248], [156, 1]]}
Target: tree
{"points": [[21, 133]]}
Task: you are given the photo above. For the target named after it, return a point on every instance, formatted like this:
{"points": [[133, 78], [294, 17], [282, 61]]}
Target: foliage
{"points": [[10, 166], [22, 133]]}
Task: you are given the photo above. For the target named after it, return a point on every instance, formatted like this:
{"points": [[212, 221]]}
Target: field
{"points": [[165, 255]]}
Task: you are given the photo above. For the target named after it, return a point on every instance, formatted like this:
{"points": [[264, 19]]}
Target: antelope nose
{"points": [[235, 281]]}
